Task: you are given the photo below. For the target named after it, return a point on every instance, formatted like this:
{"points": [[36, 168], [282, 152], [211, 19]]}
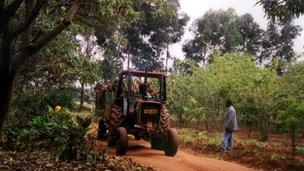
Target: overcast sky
{"points": [[196, 8]]}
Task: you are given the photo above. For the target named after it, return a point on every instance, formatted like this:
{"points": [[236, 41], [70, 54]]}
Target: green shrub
{"points": [[63, 97], [53, 131], [37, 104], [200, 97], [30, 105]]}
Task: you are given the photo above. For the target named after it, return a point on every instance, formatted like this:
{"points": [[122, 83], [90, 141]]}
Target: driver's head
{"points": [[143, 89]]}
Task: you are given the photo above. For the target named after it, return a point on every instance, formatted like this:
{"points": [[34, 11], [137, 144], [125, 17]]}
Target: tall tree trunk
{"points": [[6, 76], [81, 96], [6, 89]]}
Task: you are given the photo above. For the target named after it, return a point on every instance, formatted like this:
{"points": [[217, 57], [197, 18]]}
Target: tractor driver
{"points": [[143, 90]]}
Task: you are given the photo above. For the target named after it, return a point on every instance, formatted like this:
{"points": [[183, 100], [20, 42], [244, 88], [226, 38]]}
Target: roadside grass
{"points": [[271, 155]]}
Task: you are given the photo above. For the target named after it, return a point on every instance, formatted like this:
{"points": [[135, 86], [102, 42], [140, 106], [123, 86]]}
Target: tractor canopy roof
{"points": [[143, 73]]}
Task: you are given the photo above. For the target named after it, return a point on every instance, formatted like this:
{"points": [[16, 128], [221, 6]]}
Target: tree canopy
{"points": [[222, 31], [27, 26], [282, 8], [159, 25]]}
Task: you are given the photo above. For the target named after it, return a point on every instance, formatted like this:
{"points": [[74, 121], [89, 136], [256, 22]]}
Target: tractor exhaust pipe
{"points": [[146, 74]]}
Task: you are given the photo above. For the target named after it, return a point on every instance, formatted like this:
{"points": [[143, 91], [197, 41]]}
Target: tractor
{"points": [[135, 104]]}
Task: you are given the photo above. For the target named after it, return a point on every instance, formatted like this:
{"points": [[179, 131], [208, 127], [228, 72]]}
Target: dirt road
{"points": [[141, 152]]}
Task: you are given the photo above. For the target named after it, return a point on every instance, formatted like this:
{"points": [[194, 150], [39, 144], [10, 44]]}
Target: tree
{"points": [[251, 33], [277, 44], [225, 31], [55, 68], [290, 103], [269, 43], [113, 45], [282, 8], [86, 72], [200, 97], [87, 68], [52, 67], [159, 25], [21, 37], [222, 31]]}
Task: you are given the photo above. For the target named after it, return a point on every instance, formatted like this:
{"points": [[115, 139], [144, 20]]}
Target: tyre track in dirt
{"points": [[141, 152]]}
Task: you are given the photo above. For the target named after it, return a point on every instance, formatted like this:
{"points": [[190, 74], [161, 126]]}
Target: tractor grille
{"points": [[150, 112]]}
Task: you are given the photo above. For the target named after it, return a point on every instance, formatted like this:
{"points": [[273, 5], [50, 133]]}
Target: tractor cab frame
{"points": [[138, 108]]}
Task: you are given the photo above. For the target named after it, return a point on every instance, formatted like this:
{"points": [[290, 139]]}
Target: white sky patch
{"points": [[196, 8], [96, 53]]}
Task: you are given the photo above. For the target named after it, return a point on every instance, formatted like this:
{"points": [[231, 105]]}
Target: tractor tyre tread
{"points": [[165, 119]]}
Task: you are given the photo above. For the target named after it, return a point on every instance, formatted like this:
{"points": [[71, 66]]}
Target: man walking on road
{"points": [[230, 125]]}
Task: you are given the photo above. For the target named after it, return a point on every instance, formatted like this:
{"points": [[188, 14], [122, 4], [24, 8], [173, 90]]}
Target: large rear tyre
{"points": [[115, 121], [171, 143], [165, 119], [117, 117], [121, 145]]}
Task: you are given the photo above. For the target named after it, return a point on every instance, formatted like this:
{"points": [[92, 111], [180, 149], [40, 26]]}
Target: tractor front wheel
{"points": [[171, 144], [121, 144]]}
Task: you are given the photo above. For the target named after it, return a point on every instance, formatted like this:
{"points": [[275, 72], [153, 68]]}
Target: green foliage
{"points": [[293, 119], [283, 8], [53, 71], [186, 136], [222, 31], [53, 66], [291, 103], [58, 133], [29, 26], [294, 81], [264, 101], [159, 25], [109, 68], [277, 44], [63, 97], [30, 105], [54, 131], [200, 97], [191, 136], [37, 103]]}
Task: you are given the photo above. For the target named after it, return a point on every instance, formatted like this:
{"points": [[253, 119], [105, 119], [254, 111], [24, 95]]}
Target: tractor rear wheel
{"points": [[117, 116], [121, 144], [171, 143], [115, 120], [165, 119]]}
